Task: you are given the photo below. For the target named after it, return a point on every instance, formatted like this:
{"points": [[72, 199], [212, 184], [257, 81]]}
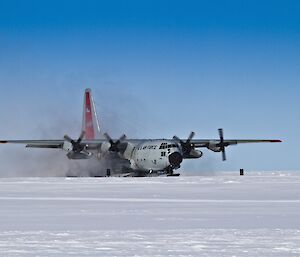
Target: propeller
{"points": [[222, 145], [186, 146], [114, 146], [77, 147]]}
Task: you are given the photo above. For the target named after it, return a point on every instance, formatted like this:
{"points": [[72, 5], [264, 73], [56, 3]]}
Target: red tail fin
{"points": [[90, 123]]}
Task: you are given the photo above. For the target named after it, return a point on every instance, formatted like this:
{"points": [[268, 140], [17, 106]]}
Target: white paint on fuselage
{"points": [[153, 155]]}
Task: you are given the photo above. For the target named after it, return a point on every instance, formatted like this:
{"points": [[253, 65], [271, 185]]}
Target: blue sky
{"points": [[157, 68]]}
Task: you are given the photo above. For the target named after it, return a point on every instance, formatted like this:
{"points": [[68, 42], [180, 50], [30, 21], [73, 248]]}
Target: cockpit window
{"points": [[165, 146], [171, 146]]}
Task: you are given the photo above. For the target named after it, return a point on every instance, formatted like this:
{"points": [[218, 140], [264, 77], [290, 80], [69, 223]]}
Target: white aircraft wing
{"points": [[36, 143], [89, 144], [56, 143], [215, 145], [206, 142], [95, 143], [84, 145]]}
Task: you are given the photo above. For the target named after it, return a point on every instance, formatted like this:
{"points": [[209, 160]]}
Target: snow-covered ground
{"points": [[222, 215]]}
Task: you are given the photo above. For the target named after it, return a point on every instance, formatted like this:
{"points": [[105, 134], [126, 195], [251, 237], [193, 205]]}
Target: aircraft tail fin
{"points": [[90, 122]]}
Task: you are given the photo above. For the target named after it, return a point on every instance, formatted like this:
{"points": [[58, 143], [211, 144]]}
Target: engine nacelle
{"points": [[214, 147], [79, 155], [67, 146], [75, 155], [104, 147], [128, 151], [194, 154]]}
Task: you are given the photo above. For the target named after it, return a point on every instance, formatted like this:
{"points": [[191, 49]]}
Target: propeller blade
{"points": [[114, 146], [81, 137], [76, 146], [221, 134], [122, 138], [192, 134], [186, 146], [223, 154], [108, 138], [67, 138], [221, 144], [177, 139]]}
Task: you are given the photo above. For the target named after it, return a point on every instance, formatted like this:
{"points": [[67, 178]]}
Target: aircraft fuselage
{"points": [[155, 155]]}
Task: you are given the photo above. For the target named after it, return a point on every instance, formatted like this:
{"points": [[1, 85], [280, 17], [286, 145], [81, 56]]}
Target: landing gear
{"points": [[170, 172], [173, 175]]}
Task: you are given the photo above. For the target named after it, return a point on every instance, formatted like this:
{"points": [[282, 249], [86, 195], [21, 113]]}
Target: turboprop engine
{"points": [[111, 146], [218, 146], [104, 148], [188, 149], [194, 154], [75, 149], [213, 146]]}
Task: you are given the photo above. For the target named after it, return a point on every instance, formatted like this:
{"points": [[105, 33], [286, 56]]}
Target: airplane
{"points": [[145, 157]]}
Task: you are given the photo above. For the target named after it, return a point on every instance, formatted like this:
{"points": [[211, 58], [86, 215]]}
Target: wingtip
{"points": [[276, 141], [3, 142]]}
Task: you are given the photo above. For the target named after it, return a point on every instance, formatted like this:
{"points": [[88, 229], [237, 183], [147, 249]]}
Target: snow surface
{"points": [[222, 215]]}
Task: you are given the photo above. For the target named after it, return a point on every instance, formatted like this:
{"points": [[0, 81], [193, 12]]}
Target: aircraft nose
{"points": [[175, 159]]}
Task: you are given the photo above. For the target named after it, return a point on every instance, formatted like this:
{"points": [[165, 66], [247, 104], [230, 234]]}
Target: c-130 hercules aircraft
{"points": [[147, 157]]}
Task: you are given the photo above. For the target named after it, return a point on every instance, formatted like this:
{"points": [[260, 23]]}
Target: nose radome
{"points": [[175, 159]]}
